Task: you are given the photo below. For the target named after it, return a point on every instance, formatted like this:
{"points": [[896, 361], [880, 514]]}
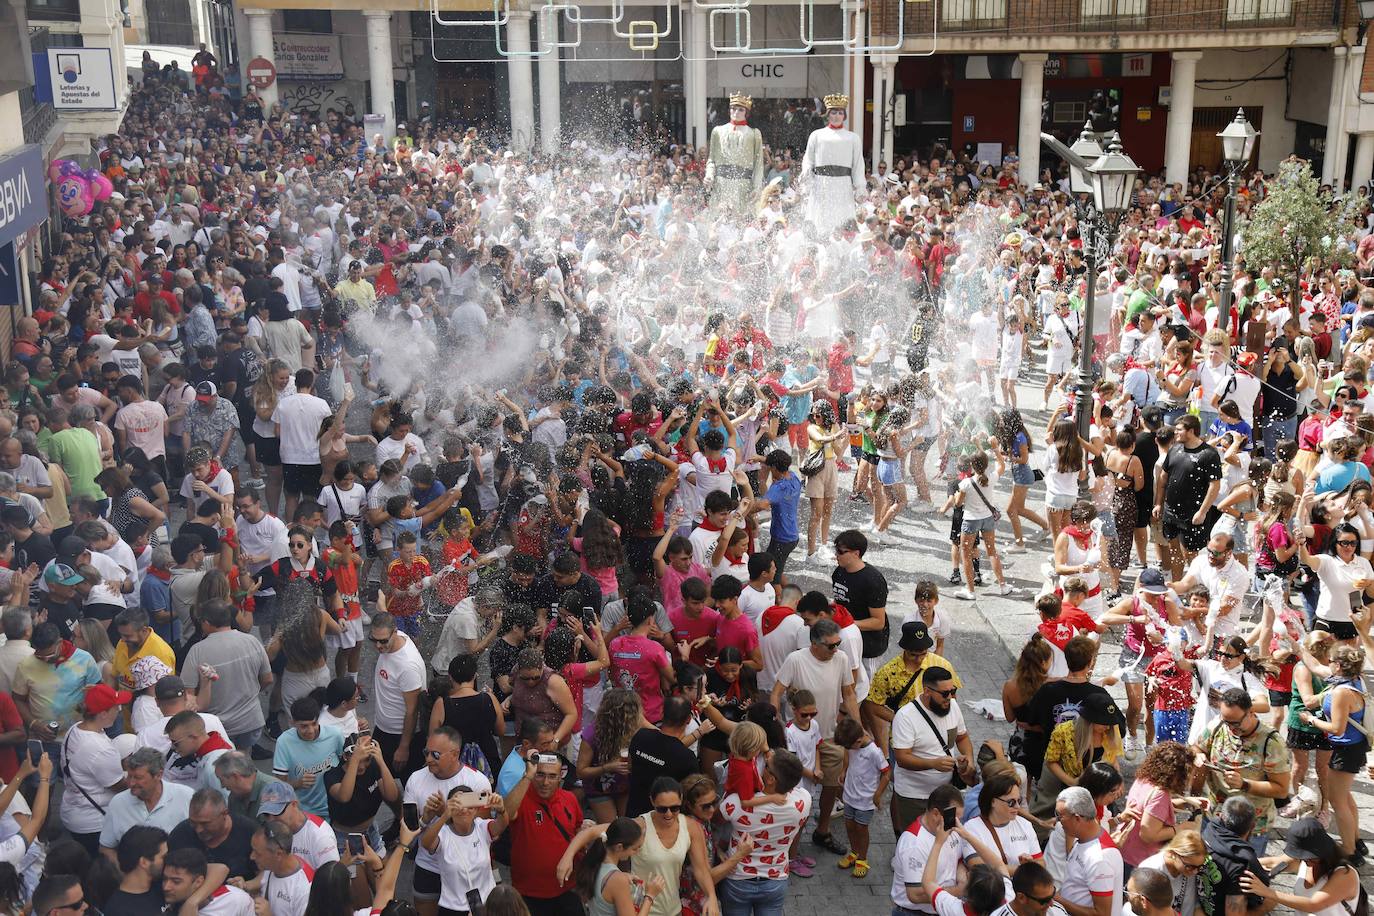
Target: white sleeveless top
{"points": [[1302, 888], [654, 858]]}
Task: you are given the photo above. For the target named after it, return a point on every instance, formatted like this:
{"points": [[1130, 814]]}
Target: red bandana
{"points": [[1081, 535]]}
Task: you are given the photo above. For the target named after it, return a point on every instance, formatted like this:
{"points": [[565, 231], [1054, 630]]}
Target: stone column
{"points": [[521, 81], [1028, 136], [550, 83], [1364, 159], [260, 41], [1335, 114], [700, 39], [379, 69], [1178, 137]]}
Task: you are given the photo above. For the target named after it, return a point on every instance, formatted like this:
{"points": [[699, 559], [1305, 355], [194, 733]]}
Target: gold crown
{"points": [[742, 100], [837, 100]]}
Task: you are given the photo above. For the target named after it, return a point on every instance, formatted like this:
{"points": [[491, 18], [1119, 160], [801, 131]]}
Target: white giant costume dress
{"points": [[833, 174]]}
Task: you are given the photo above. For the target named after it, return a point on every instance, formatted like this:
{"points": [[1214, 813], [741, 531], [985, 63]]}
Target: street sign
{"points": [[261, 73]]}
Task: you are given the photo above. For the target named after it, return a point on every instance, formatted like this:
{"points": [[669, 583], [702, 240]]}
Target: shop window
{"points": [[54, 10], [1247, 11], [965, 12], [315, 22]]}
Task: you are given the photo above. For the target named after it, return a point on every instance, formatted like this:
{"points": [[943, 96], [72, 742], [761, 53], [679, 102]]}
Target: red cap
{"points": [[103, 697]]}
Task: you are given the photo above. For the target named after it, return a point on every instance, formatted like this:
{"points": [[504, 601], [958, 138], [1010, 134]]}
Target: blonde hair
{"points": [[1186, 843], [748, 740]]}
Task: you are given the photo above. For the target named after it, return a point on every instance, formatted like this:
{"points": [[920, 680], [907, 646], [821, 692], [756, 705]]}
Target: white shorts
{"points": [[352, 635], [1057, 362], [1010, 368]]}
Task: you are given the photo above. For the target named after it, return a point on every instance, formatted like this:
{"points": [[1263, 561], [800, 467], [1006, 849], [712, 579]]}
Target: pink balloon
{"points": [[101, 187], [59, 169], [74, 195]]}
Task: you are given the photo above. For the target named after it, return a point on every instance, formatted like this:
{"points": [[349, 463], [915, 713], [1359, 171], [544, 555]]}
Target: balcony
{"points": [[38, 117], [1029, 18]]}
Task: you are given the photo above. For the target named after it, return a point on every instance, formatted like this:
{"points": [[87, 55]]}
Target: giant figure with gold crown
{"points": [[832, 171], [734, 166]]}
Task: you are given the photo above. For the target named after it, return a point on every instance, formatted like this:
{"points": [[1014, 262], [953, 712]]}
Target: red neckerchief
{"points": [[714, 465], [835, 126], [214, 468], [65, 650], [734, 123], [842, 616], [213, 742], [1079, 534], [772, 617], [164, 574], [707, 526]]}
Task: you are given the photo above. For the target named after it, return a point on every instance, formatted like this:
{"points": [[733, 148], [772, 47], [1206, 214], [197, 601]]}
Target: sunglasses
{"points": [[1011, 802], [1234, 726], [531, 678], [433, 754], [1042, 901], [1231, 654], [1217, 553], [945, 693], [832, 646], [1192, 866], [1346, 543], [708, 802], [380, 642], [803, 715], [667, 809]]}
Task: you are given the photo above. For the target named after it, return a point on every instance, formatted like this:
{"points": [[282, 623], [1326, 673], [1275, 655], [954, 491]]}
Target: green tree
{"points": [[1296, 227]]}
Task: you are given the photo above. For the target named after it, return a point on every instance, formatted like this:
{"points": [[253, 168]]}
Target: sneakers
{"points": [[955, 578], [1004, 589], [966, 594], [1017, 547], [799, 869], [260, 753], [1134, 749]]}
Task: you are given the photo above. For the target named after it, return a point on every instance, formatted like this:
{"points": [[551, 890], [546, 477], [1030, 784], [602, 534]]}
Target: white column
{"points": [[379, 69], [1028, 136], [550, 83], [698, 135], [1364, 159], [879, 107], [260, 40], [890, 114], [1354, 64], [1178, 136], [1335, 115], [521, 81], [856, 83]]}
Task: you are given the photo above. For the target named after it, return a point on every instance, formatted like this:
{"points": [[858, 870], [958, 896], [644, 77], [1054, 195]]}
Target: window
{"points": [[54, 10], [960, 12], [1114, 9], [316, 22], [1069, 112], [1246, 11]]}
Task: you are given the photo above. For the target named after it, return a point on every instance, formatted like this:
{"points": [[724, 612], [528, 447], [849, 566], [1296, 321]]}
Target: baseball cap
{"points": [[103, 697], [205, 391], [71, 547], [915, 637], [1101, 709], [1151, 581], [169, 687], [62, 574], [276, 797]]}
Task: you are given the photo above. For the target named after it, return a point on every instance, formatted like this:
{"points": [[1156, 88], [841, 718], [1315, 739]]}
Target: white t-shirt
{"points": [[772, 827], [397, 673], [909, 864], [228, 901], [708, 479], [1231, 581], [754, 602], [866, 766], [344, 504], [1185, 885], [1338, 582], [265, 537], [155, 737], [1093, 870], [1014, 840], [826, 681], [222, 483], [315, 843], [288, 896], [465, 863], [300, 416], [90, 761], [910, 732], [396, 448], [804, 744], [422, 785], [776, 645]]}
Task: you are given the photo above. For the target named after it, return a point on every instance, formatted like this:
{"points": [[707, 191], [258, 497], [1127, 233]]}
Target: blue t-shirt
{"points": [[1337, 477], [1219, 427], [784, 496], [294, 758], [797, 407]]}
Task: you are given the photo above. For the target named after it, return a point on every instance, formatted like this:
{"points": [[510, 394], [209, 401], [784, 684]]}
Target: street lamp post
{"points": [[1237, 146], [1102, 182]]}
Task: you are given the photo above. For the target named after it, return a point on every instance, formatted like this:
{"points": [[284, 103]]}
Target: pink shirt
{"points": [[635, 664], [671, 585], [144, 424], [1151, 800], [691, 628], [739, 633], [605, 576]]}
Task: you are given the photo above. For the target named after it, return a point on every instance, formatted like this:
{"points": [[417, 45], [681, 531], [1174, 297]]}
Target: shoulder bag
{"points": [[996, 513], [955, 779]]}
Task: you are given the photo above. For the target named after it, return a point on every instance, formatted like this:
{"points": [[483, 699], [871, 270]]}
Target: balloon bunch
{"points": [[78, 189]]}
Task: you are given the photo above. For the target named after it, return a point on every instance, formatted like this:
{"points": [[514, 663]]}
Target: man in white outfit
{"points": [[832, 170]]}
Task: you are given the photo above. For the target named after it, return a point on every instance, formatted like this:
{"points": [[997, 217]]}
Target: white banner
{"points": [[308, 57], [82, 79]]}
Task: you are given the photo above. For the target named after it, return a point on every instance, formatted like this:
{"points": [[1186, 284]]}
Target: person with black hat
{"points": [[1327, 883], [1094, 734], [894, 684]]}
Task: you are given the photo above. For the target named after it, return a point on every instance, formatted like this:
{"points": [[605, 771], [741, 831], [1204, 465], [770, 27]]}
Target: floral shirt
{"points": [[209, 427], [1258, 756], [889, 680]]}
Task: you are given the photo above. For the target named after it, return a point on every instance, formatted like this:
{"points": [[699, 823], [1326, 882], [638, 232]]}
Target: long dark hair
{"points": [[624, 832], [331, 892], [1005, 426]]}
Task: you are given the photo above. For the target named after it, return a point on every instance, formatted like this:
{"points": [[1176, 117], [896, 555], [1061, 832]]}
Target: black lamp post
{"points": [[1237, 146]]}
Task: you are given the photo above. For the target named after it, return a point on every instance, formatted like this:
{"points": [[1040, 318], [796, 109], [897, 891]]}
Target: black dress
{"points": [[475, 719]]}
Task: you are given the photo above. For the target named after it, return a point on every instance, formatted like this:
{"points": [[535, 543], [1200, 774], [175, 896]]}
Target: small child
{"points": [[730, 556], [744, 771], [673, 563], [804, 739], [408, 575], [865, 780], [405, 518], [964, 468], [343, 564], [1173, 688], [452, 587], [758, 595]]}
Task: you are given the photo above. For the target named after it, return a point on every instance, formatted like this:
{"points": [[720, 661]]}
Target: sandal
{"points": [[860, 867], [848, 861], [808, 861], [828, 842], [800, 869]]}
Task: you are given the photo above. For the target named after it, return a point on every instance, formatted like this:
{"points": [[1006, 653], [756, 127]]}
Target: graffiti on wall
{"points": [[314, 99]]}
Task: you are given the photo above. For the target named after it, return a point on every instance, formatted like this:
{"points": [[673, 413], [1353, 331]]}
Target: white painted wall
{"points": [[1227, 69]]}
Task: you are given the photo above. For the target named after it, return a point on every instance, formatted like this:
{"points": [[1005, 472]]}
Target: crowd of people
{"points": [[417, 527]]}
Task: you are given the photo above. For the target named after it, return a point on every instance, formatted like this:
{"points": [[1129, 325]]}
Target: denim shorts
{"points": [[977, 525], [889, 471], [1022, 475], [859, 816], [1061, 503], [1132, 666]]}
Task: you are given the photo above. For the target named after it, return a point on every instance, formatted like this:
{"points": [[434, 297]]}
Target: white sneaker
{"points": [[1134, 749], [876, 537], [966, 594], [1004, 589], [1017, 548]]}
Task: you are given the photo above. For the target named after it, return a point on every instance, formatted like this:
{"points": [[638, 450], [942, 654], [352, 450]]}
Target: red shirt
{"points": [[540, 834], [742, 777], [402, 576], [840, 364], [1080, 619], [10, 722], [626, 424], [143, 304]]}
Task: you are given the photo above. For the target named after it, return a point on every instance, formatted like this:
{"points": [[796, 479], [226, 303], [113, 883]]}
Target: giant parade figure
{"points": [[832, 170], [734, 167]]}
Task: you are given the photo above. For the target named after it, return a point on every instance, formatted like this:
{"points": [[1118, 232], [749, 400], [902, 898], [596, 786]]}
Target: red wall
{"points": [[995, 105]]}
